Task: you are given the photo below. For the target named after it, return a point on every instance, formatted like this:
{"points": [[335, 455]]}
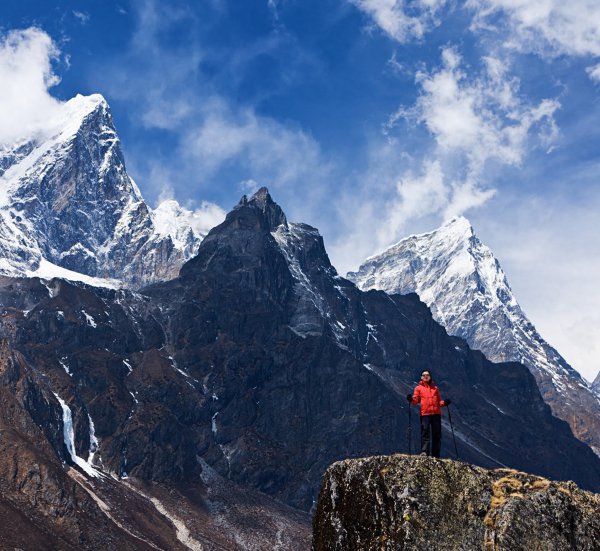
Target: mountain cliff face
{"points": [[254, 370], [67, 202], [413, 503], [462, 282], [57, 492]]}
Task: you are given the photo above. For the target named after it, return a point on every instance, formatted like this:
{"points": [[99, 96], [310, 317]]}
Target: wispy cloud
{"points": [[216, 138], [26, 74], [480, 117], [476, 120], [402, 21], [548, 27], [594, 72], [82, 17]]}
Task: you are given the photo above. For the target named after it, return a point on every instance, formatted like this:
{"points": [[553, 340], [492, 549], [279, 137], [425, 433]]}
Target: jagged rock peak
{"points": [[263, 201], [596, 384], [68, 204], [411, 502]]}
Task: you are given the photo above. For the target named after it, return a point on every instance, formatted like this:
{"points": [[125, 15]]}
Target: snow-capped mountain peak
{"points": [[462, 282], [66, 200], [439, 266]]}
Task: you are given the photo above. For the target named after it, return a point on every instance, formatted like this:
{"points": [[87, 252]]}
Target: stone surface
{"points": [[404, 502]]}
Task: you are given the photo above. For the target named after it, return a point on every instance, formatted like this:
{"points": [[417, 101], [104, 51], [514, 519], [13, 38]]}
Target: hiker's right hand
{"points": [[409, 397]]}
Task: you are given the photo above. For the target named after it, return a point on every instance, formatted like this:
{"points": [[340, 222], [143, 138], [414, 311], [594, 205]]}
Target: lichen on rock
{"points": [[404, 502]]}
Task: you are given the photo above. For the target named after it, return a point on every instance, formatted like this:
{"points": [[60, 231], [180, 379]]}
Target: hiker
{"points": [[428, 395]]}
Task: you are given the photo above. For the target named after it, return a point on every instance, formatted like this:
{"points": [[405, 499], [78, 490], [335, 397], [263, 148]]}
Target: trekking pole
{"points": [[409, 431], [453, 437]]}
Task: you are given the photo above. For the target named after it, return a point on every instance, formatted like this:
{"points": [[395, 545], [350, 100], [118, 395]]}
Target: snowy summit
{"points": [[462, 282], [69, 208]]}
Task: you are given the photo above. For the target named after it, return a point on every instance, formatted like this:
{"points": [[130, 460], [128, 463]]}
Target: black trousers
{"points": [[431, 434]]}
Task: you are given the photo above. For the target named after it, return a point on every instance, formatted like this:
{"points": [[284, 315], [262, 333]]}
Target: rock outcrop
{"points": [[407, 503]]}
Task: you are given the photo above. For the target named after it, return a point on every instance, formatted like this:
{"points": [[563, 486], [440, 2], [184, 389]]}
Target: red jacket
{"points": [[428, 395]]}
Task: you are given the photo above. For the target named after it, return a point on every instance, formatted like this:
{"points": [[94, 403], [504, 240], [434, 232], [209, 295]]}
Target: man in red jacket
{"points": [[428, 395]]}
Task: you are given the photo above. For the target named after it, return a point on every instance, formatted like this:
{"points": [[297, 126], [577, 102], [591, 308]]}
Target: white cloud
{"points": [[400, 20], [474, 120], [249, 186], [26, 74], [269, 150], [594, 72], [82, 17], [481, 117], [545, 26], [416, 196]]}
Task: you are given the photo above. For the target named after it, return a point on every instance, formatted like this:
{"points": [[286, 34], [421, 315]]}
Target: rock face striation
{"points": [[68, 206], [462, 282], [412, 503], [225, 393]]}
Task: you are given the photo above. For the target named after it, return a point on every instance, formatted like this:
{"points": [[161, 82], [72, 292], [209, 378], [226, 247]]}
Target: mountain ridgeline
{"points": [[262, 364]]}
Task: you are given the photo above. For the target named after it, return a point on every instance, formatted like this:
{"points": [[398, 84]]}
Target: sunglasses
{"points": [[425, 375]]}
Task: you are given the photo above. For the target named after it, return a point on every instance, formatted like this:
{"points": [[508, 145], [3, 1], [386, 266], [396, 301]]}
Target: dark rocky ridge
{"points": [[261, 365], [414, 503]]}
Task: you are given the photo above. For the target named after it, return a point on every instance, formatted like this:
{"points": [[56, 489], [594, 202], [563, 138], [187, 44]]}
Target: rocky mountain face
{"points": [[462, 282], [224, 394], [596, 384], [413, 503], [68, 206], [58, 488]]}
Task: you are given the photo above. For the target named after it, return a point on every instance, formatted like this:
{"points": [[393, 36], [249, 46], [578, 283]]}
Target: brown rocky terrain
{"points": [[407, 503], [46, 504]]}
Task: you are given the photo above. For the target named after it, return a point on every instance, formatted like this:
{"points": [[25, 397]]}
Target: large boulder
{"points": [[405, 502]]}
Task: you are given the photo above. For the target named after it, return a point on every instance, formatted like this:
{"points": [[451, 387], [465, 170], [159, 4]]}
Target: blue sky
{"points": [[369, 119]]}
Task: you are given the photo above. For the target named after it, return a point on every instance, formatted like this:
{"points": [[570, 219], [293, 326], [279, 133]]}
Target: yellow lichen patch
{"points": [[514, 483], [502, 489], [540, 484], [565, 491]]}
